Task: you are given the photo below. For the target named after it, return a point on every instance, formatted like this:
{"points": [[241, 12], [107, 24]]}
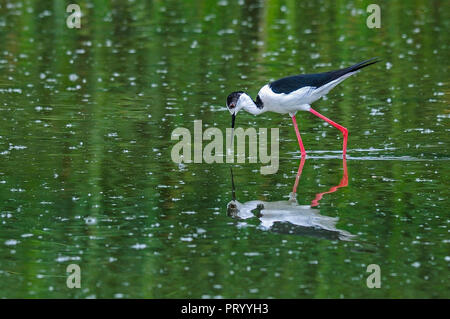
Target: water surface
{"points": [[86, 175]]}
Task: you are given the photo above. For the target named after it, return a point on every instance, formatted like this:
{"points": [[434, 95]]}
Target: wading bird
{"points": [[295, 93]]}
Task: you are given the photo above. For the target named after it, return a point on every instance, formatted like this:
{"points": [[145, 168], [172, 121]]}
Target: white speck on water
{"points": [[416, 264], [225, 31], [139, 246], [19, 190], [201, 231], [16, 147], [90, 220], [73, 77], [375, 112], [11, 242], [251, 254], [62, 259]]}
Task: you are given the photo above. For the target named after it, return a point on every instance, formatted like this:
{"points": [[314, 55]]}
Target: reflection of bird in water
{"points": [[288, 217]]}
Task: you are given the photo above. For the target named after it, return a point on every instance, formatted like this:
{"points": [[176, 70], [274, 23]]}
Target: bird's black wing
{"points": [[292, 83]]}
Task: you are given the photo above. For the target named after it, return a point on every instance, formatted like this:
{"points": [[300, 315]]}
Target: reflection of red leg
{"points": [[339, 127], [343, 183], [299, 173], [300, 143]]}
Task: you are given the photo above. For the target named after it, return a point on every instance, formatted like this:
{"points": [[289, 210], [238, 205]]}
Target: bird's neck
{"points": [[253, 107]]}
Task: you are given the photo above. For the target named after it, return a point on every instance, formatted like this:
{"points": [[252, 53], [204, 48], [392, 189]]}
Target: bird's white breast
{"points": [[298, 100]]}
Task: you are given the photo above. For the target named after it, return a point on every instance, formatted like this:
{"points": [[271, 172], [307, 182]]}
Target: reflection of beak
{"points": [[233, 119], [233, 189]]}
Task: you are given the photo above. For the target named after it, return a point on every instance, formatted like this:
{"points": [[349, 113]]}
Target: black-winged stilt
{"points": [[295, 93]]}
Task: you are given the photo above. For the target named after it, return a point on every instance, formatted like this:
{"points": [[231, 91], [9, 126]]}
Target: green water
{"points": [[86, 175]]}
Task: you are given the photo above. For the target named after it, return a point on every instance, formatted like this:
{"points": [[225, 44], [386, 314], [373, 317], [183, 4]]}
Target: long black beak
{"points": [[233, 119]]}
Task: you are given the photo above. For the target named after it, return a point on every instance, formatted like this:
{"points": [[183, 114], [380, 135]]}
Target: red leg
{"points": [[299, 173], [299, 138], [339, 127]]}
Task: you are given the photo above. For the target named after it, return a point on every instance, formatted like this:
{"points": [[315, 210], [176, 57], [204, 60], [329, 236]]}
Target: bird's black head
{"points": [[232, 100], [232, 105]]}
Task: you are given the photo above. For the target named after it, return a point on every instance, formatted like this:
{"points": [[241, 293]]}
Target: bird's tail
{"points": [[360, 65], [336, 77]]}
